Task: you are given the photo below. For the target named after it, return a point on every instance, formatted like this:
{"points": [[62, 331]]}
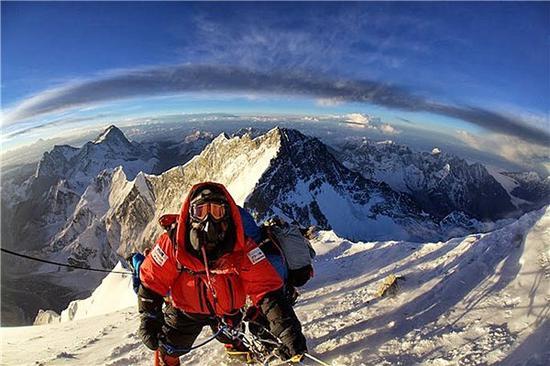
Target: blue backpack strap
{"points": [[250, 228], [278, 262], [136, 261]]}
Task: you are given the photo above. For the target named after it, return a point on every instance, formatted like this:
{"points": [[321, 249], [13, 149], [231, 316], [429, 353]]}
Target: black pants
{"points": [[180, 330]]}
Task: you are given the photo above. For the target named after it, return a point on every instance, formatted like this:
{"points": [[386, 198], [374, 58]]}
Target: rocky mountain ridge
{"points": [[315, 189], [438, 182], [530, 187]]}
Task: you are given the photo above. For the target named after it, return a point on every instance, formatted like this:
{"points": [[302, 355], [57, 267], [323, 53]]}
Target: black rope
{"points": [[171, 350], [61, 264]]}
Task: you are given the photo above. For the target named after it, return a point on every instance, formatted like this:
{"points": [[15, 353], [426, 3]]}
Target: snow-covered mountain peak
{"points": [[112, 135], [287, 135], [57, 200], [80, 165], [305, 183], [239, 143], [280, 172], [198, 136]]}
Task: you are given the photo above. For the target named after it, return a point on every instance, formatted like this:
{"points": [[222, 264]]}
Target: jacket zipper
{"points": [[200, 286], [209, 305]]}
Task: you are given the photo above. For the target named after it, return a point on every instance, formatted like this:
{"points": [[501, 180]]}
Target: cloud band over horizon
{"points": [[199, 78]]}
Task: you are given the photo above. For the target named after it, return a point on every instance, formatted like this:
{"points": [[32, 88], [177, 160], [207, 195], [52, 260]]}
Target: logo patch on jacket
{"points": [[159, 256], [256, 255]]}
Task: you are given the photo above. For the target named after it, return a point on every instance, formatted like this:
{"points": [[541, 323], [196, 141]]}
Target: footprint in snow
{"points": [[126, 361], [125, 348], [88, 342]]}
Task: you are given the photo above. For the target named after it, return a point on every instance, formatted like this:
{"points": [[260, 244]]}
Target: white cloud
{"points": [[508, 147], [361, 120], [358, 118], [388, 129], [196, 78], [329, 102]]}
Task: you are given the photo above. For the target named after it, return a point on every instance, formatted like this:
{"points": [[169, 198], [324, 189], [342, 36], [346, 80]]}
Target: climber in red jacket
{"points": [[208, 268]]}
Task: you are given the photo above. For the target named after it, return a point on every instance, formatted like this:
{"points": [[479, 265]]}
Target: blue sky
{"points": [[474, 67]]}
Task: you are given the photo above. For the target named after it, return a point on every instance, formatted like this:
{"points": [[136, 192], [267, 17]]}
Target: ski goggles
{"points": [[216, 210]]}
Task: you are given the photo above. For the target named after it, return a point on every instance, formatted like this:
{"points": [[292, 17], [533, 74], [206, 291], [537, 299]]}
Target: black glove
{"points": [[149, 330], [152, 319], [284, 324]]}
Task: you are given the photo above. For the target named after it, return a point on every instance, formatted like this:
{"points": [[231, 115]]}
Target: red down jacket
{"points": [[244, 271]]}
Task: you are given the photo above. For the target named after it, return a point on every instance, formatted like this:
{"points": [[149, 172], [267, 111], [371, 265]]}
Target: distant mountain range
{"points": [[439, 183], [92, 205]]}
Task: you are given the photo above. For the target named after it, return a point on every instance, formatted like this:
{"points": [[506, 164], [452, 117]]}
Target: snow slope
{"points": [[477, 300], [101, 301]]}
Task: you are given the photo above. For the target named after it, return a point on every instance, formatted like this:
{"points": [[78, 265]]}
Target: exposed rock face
{"points": [[46, 317], [531, 187], [305, 183], [439, 183], [56, 162]]}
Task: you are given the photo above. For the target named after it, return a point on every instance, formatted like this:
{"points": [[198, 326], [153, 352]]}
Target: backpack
{"points": [[296, 249]]}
